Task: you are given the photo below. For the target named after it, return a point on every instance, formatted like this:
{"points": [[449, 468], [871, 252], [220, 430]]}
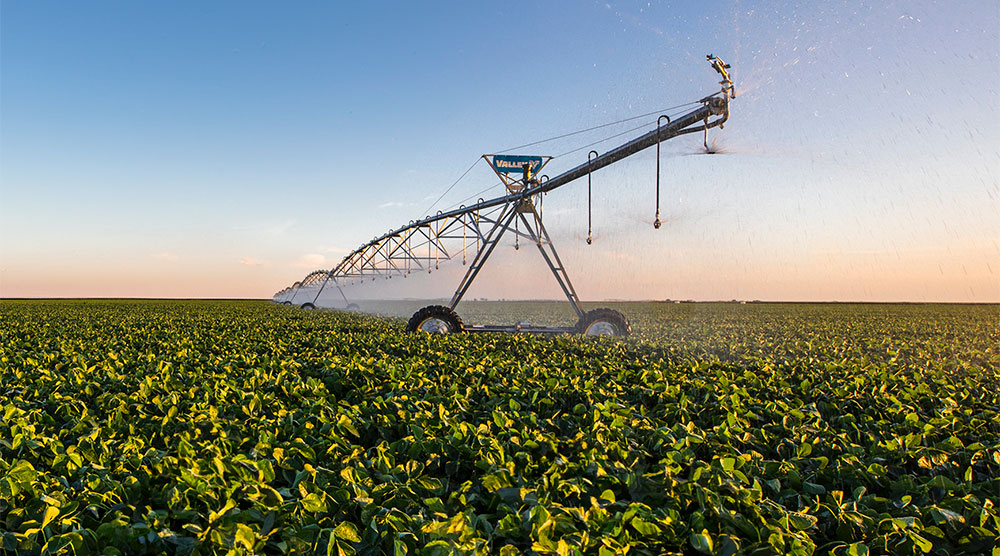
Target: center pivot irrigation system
{"points": [[423, 244]]}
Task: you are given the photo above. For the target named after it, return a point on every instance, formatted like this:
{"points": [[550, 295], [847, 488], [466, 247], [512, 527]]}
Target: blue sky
{"points": [[226, 149]]}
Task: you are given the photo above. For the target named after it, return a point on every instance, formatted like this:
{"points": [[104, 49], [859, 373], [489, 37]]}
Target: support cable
{"points": [[452, 186], [532, 144], [598, 142], [475, 195], [587, 146]]}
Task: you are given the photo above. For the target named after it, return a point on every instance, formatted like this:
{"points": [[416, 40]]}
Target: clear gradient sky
{"points": [[225, 149]]}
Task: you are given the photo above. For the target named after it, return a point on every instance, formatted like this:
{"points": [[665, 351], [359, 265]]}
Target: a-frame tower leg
{"points": [[490, 242], [543, 241]]}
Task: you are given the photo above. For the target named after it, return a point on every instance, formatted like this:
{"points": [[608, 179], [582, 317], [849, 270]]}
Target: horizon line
{"points": [[505, 300]]}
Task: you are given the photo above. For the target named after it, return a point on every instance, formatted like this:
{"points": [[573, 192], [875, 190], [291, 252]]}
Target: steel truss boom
{"points": [[422, 244]]}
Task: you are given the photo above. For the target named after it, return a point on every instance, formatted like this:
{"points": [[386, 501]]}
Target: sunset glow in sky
{"points": [[226, 149]]}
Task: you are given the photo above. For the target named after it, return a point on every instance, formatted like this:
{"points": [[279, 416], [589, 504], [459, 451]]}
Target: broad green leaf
{"points": [[813, 488], [313, 503], [857, 549], [921, 543], [347, 531], [942, 516], [702, 542], [51, 512], [645, 527], [214, 516], [245, 536], [802, 521]]}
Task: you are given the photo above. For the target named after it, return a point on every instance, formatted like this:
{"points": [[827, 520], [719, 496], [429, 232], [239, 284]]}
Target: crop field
{"points": [[187, 427]]}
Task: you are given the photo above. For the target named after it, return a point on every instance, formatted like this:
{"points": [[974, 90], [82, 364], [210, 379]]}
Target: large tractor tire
{"points": [[308, 306], [603, 322], [435, 319]]}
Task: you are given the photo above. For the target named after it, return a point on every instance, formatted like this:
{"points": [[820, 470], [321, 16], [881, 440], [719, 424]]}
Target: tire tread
{"points": [[607, 314], [436, 311]]}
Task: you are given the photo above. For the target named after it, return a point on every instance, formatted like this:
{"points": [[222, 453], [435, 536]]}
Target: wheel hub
{"points": [[601, 328], [435, 326]]}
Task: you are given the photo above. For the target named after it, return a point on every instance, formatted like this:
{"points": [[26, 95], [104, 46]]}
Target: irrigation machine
{"points": [[478, 228]]}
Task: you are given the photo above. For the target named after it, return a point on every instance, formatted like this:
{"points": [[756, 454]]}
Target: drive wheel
{"points": [[287, 303], [353, 307], [308, 306], [603, 322], [435, 319]]}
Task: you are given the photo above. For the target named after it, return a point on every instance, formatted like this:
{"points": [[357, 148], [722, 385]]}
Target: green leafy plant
{"points": [[245, 427]]}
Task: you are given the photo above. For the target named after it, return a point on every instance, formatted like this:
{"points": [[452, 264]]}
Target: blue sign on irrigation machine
{"points": [[506, 163]]}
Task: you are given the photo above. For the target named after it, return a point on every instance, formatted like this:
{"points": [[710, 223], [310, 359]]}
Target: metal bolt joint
{"points": [[717, 105]]}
